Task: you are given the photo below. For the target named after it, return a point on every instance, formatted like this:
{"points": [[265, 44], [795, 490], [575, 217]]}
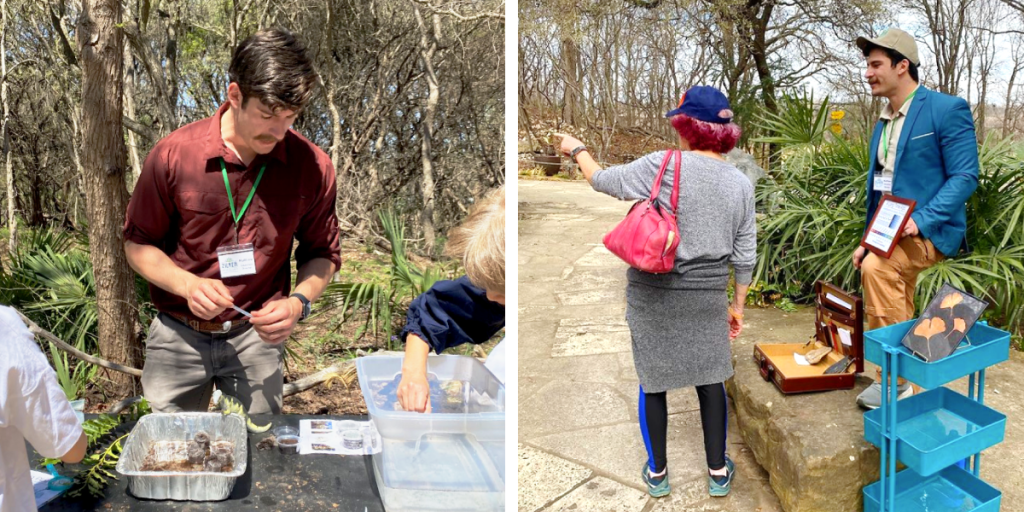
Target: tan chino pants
{"points": [[889, 284]]}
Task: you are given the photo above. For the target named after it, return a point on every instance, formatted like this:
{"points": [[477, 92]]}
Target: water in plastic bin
{"points": [[446, 396], [937, 496], [935, 428]]}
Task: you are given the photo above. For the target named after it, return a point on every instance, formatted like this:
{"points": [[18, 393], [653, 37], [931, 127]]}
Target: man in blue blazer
{"points": [[923, 148]]}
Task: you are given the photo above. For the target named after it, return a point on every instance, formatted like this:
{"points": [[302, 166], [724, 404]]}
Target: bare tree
{"points": [[12, 221], [429, 41], [100, 47]]}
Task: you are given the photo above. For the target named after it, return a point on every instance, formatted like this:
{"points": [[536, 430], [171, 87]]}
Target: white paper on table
{"points": [[845, 336], [882, 231], [324, 436], [44, 494], [322, 443], [800, 359]]}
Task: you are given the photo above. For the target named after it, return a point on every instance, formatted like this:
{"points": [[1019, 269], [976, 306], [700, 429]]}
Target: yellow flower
{"points": [[838, 114], [837, 128]]}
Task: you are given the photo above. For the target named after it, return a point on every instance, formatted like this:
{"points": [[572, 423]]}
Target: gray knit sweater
{"points": [[716, 217]]}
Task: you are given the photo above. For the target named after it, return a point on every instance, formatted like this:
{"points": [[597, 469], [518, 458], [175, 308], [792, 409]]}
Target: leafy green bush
{"points": [[49, 278], [382, 303], [811, 214]]}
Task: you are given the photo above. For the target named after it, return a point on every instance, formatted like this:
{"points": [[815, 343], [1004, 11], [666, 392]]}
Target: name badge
{"points": [[883, 183], [236, 260]]}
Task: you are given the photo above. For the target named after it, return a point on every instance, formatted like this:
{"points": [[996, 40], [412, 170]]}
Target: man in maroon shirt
{"points": [[211, 223]]}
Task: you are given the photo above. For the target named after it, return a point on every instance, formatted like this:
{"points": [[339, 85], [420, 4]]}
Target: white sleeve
{"points": [[41, 413]]}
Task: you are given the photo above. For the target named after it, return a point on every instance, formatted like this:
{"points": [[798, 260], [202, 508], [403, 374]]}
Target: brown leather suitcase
{"points": [[839, 324]]}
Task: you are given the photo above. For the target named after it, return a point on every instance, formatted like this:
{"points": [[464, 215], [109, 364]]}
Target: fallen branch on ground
{"points": [[123, 405], [46, 335], [345, 372]]}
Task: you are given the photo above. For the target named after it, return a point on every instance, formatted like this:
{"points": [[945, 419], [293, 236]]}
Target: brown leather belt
{"points": [[211, 327]]}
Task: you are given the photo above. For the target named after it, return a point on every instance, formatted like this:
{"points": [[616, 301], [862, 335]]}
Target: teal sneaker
{"points": [[656, 487], [719, 486]]}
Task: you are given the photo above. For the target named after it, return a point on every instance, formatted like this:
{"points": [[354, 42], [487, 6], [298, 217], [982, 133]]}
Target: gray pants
{"points": [[182, 365]]}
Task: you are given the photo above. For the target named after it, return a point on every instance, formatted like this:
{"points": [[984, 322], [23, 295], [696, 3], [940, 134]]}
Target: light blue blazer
{"points": [[936, 166]]}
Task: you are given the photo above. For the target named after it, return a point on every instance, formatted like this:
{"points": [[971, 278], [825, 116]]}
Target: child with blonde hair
{"points": [[470, 309]]}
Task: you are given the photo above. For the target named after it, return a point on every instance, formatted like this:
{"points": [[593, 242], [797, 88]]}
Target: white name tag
{"points": [[236, 260], [883, 183]]}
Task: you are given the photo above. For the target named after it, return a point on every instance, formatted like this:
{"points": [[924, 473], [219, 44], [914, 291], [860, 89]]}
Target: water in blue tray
{"points": [[935, 428], [936, 495]]}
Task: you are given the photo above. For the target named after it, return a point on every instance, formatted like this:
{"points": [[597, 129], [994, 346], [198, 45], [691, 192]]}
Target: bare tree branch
{"points": [[140, 129], [46, 335], [439, 9]]}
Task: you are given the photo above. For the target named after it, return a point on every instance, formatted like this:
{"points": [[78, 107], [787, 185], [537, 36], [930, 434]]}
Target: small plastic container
{"points": [[352, 439], [950, 490], [287, 439], [988, 346], [938, 428]]}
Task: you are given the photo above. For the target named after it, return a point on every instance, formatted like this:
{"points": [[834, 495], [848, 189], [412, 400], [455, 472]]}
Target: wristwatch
{"points": [[305, 305], [576, 151]]}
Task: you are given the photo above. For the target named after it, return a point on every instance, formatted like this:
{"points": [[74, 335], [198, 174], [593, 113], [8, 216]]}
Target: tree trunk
{"points": [[129, 103], [570, 68], [100, 41], [428, 46], [1017, 66], [12, 221]]}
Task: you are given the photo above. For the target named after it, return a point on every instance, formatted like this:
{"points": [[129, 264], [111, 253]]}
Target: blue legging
{"points": [[714, 420]]}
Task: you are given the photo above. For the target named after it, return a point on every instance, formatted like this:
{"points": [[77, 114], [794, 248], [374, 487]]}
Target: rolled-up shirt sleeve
{"points": [[452, 313], [318, 232], [744, 248], [151, 208]]}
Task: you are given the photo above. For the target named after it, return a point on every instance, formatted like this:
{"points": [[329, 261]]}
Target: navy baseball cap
{"points": [[704, 103]]}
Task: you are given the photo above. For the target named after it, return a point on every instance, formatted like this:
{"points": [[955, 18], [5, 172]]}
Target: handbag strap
{"points": [[656, 189]]}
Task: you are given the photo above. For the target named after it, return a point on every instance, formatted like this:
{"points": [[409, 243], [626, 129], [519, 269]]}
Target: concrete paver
{"points": [[544, 477]]}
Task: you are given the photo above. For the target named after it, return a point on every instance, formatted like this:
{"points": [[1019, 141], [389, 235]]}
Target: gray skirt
{"points": [[680, 336]]}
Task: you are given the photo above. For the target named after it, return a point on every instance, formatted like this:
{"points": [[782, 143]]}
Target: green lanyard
{"points": [[231, 200], [885, 135]]}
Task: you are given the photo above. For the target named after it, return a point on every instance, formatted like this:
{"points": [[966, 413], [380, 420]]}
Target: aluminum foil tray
{"points": [[179, 428]]}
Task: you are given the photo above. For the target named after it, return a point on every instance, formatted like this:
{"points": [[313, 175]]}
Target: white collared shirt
{"points": [[896, 121]]}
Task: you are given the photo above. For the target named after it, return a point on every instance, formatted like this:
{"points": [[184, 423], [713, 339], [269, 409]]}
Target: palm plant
{"points": [[381, 301], [49, 278]]}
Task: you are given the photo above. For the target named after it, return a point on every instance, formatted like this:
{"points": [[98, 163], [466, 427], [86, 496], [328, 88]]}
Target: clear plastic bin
{"points": [[449, 460], [441, 472]]}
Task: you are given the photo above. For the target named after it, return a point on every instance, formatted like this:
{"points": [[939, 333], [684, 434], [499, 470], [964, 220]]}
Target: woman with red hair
{"points": [[681, 323]]}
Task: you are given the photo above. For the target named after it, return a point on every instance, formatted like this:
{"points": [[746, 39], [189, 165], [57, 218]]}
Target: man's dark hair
{"points": [[895, 57], [272, 65]]}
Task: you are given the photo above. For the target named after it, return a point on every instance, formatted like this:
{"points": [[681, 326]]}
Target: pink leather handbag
{"points": [[647, 238]]}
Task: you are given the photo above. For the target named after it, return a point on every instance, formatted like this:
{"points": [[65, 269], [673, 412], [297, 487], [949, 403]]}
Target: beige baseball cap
{"points": [[894, 39]]}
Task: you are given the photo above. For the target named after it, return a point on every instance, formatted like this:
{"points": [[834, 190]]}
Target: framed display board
{"points": [[887, 225]]}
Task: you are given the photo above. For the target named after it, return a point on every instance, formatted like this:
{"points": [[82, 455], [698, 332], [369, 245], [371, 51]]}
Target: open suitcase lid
{"points": [[839, 321]]}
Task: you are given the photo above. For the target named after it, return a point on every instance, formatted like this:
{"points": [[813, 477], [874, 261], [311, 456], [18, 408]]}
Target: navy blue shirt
{"points": [[451, 313]]}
